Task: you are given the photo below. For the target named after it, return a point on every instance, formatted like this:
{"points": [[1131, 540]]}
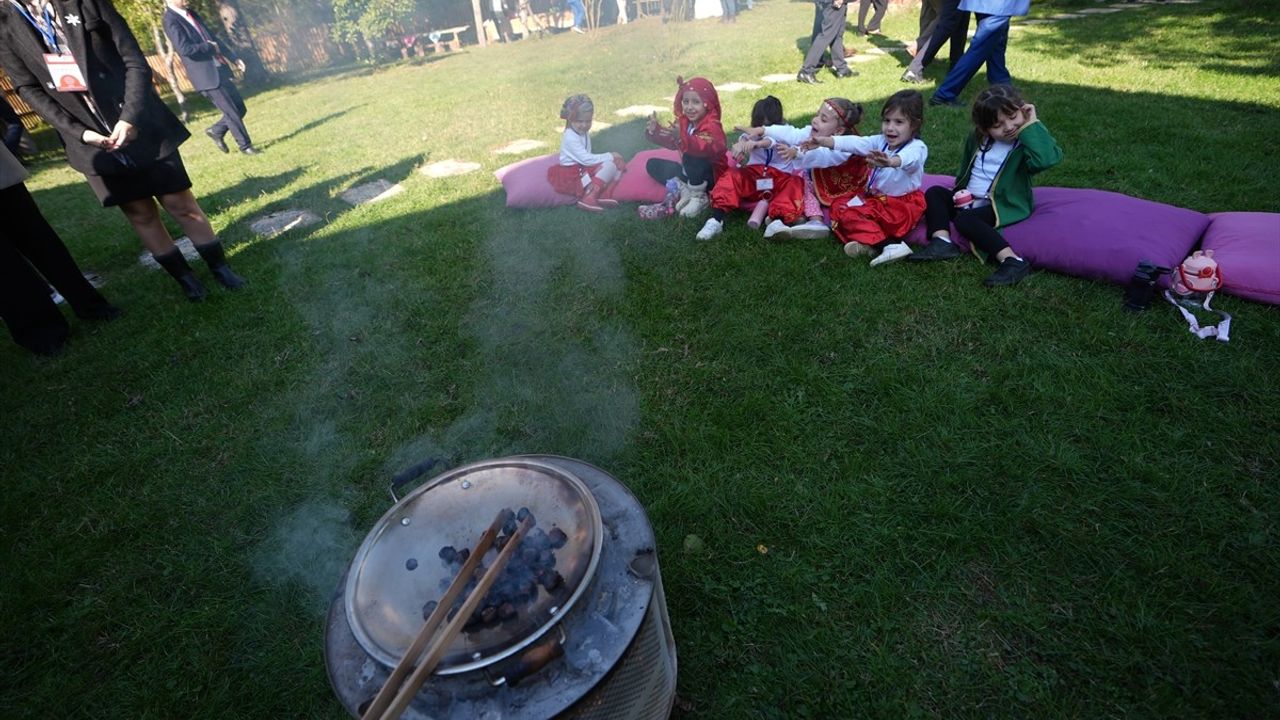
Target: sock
{"points": [[718, 214]]}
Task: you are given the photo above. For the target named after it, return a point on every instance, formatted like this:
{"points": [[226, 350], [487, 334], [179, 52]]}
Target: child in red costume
{"points": [[762, 177], [698, 136], [891, 203], [583, 174]]}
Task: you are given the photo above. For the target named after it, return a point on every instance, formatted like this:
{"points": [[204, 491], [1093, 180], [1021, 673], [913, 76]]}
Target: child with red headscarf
{"points": [[698, 136], [588, 176]]}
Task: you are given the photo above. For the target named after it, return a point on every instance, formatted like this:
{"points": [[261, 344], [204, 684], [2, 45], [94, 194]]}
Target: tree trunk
{"points": [[237, 33], [479, 20], [170, 75]]}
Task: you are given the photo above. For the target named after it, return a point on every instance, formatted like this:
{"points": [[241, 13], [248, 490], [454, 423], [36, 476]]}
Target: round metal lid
{"points": [[399, 568]]}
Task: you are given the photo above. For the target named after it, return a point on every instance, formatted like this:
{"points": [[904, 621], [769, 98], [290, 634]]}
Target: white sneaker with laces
{"points": [[774, 228], [710, 229], [811, 230], [893, 252]]}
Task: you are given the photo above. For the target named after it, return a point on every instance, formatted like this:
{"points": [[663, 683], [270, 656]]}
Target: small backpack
{"points": [[1194, 282]]}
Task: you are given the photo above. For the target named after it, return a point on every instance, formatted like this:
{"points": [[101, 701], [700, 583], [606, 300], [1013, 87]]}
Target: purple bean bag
{"points": [[1094, 233], [1246, 246]]}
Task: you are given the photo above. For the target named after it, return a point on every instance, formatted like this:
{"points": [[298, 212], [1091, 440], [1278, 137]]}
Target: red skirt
{"points": [[739, 186], [567, 179], [879, 218]]}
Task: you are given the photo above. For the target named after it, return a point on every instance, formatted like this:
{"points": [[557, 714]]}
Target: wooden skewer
{"points": [[446, 636], [419, 643]]}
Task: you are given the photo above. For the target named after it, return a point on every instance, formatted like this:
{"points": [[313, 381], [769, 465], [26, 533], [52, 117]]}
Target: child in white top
{"points": [[583, 174], [892, 203]]}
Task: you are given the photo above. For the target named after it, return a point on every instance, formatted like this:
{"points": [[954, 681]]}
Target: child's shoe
{"points": [[896, 251], [590, 199], [656, 211], [855, 249], [1011, 272], [698, 201], [682, 193], [605, 199], [777, 230], [710, 229], [810, 230], [757, 214], [937, 249]]}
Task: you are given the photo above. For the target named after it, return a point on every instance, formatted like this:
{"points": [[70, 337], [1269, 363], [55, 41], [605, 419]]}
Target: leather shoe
{"points": [[846, 73], [913, 77], [808, 78], [251, 150], [934, 100], [218, 142]]}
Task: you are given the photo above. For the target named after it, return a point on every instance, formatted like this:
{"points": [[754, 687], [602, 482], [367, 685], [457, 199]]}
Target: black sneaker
{"points": [[937, 249], [845, 73], [1011, 272]]}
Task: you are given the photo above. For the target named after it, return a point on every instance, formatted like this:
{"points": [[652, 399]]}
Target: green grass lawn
{"points": [[1026, 503]]}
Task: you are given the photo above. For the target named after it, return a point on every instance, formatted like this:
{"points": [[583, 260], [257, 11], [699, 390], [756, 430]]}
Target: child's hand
{"points": [[817, 142], [788, 152], [618, 162], [651, 126], [1028, 115], [881, 159], [755, 132]]}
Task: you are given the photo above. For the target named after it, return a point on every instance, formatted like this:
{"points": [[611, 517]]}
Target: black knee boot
{"points": [[176, 265], [217, 262]]}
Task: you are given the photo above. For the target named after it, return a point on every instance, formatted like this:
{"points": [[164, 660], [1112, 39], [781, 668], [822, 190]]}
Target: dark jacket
{"points": [[1011, 197], [118, 77], [198, 55]]}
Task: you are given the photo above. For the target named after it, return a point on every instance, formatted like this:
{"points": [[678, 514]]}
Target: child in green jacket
{"points": [[993, 188]]}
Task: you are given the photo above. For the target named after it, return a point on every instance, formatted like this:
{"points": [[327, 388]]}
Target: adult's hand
{"points": [[122, 134]]}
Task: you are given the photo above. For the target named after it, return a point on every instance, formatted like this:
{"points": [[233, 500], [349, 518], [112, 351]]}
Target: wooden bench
{"points": [[448, 38]]}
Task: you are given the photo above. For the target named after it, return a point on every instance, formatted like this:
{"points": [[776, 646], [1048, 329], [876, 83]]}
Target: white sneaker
{"points": [[896, 251], [855, 248], [710, 229], [811, 230], [777, 229]]}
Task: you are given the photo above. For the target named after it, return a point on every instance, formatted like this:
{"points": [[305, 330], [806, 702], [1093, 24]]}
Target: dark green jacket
{"points": [[1011, 191]]}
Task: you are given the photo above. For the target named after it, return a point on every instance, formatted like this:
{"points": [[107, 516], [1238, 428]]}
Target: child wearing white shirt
{"points": [[891, 203], [583, 174]]}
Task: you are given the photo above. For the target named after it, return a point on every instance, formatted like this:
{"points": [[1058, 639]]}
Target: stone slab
{"points": [[640, 110], [146, 260], [283, 221], [735, 87], [371, 192], [515, 147], [779, 77], [448, 168]]}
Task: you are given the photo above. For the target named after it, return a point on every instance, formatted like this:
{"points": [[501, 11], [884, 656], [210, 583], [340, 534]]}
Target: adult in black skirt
{"points": [[32, 256], [115, 128]]}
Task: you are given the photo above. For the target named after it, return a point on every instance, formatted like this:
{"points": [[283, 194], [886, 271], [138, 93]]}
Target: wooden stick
{"points": [[419, 643], [442, 641]]}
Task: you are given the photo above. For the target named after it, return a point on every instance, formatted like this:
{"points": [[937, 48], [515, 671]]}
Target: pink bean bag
{"points": [[526, 183], [635, 185], [1246, 246], [1094, 233]]}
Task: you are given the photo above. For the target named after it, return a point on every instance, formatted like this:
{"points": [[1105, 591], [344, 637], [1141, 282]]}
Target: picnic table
{"points": [[447, 38]]}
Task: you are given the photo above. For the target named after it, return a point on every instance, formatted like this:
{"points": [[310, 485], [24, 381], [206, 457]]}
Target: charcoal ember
{"points": [[411, 564], [429, 608], [506, 611], [558, 538], [463, 554], [448, 554], [509, 525], [501, 541], [528, 554], [546, 559], [550, 580], [524, 514], [488, 614], [537, 539]]}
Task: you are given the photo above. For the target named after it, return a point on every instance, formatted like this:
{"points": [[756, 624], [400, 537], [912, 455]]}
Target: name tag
{"points": [[855, 201], [65, 73], [763, 184]]}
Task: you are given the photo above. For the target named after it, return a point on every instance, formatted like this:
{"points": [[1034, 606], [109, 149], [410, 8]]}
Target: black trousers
{"points": [[227, 99], [693, 170], [26, 240], [953, 25], [977, 224], [830, 35]]}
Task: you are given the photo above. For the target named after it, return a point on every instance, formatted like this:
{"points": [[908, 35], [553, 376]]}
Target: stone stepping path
{"points": [[278, 222], [640, 110], [735, 87], [371, 192], [95, 279], [515, 147], [448, 168], [779, 77], [146, 260]]}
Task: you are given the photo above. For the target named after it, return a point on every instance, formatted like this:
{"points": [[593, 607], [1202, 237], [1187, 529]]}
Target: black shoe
{"points": [[937, 249], [808, 78], [913, 77], [936, 101], [218, 142], [846, 73], [1011, 272], [251, 150], [177, 267], [216, 259]]}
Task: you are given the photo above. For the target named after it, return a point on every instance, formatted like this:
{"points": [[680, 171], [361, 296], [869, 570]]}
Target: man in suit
{"points": [[987, 47], [830, 35], [209, 68]]}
